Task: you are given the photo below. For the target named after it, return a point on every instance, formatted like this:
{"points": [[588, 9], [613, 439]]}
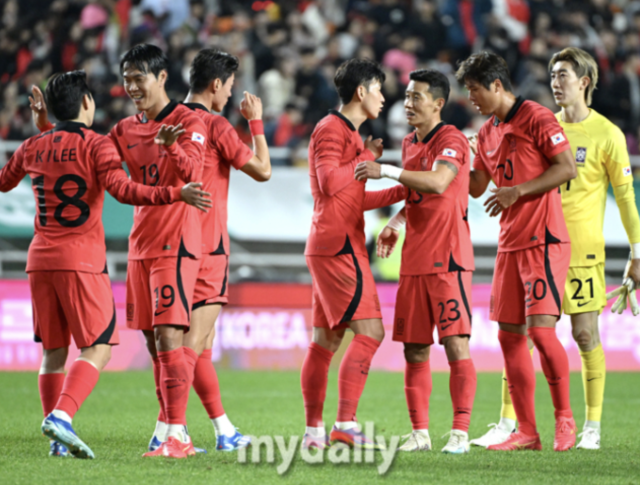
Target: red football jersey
{"points": [[70, 168], [159, 231], [224, 149], [438, 238], [516, 151], [335, 149]]}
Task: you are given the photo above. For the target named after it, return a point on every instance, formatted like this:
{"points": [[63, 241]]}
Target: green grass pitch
{"points": [[118, 419]]}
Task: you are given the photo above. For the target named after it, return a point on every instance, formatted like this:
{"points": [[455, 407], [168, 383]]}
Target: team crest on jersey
{"points": [[423, 163], [626, 171], [581, 155], [448, 152], [198, 137], [557, 138]]}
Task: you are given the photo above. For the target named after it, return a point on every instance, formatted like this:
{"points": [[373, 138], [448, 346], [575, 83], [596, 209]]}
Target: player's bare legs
{"points": [[73, 390], [585, 333]]}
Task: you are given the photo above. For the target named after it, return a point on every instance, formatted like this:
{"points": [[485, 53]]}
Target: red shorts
{"points": [[67, 303], [343, 290], [441, 300], [529, 282], [212, 283], [160, 291]]}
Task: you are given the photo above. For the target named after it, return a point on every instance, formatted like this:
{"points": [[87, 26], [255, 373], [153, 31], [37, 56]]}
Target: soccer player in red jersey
{"points": [[523, 149], [344, 293], [70, 167], [163, 144], [211, 80], [437, 257]]}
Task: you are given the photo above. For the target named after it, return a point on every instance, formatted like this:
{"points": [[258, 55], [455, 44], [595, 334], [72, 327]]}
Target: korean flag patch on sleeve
{"points": [[448, 152], [626, 171], [198, 137], [557, 138]]}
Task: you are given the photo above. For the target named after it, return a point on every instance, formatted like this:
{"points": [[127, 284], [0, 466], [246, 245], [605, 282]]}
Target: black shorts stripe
{"points": [[220, 249], [224, 281], [108, 333], [549, 275], [37, 339], [182, 253], [464, 296], [355, 301]]}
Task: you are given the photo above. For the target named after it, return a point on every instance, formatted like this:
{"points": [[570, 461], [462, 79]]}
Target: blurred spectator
{"points": [[289, 51]]}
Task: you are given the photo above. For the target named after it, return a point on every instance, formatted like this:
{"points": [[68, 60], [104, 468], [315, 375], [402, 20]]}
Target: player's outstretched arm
{"points": [[388, 237], [375, 199], [13, 172], [478, 182], [434, 182], [39, 110], [562, 169], [115, 180], [259, 166]]}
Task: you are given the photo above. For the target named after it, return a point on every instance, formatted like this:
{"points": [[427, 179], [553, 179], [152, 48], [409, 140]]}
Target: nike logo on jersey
{"points": [[157, 313], [444, 327], [583, 304], [132, 146]]}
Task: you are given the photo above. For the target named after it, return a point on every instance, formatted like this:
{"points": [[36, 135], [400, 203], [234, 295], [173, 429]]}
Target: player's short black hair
{"points": [[209, 65], [438, 82], [64, 93], [354, 73], [484, 68], [146, 58]]}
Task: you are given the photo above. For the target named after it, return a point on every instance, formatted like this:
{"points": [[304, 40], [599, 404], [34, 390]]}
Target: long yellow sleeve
{"points": [[626, 200]]}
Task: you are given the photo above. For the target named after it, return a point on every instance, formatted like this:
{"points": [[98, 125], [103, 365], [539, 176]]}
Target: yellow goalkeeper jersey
{"points": [[600, 152]]}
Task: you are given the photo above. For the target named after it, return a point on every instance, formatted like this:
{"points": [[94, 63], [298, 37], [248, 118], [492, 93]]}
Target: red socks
{"points": [[353, 373], [78, 384], [156, 377], [174, 384], [417, 389], [205, 382], [50, 386], [313, 380], [521, 378], [462, 385], [555, 365]]}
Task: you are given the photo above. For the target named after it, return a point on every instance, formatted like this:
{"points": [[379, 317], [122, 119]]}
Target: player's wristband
{"points": [[397, 222], [635, 251], [256, 127], [390, 172]]}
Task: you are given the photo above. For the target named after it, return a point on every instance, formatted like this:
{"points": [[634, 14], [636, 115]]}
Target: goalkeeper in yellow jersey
{"points": [[601, 156]]}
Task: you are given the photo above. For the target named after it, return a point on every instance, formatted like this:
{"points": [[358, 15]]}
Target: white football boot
{"points": [[417, 440], [498, 434], [458, 442], [590, 439]]}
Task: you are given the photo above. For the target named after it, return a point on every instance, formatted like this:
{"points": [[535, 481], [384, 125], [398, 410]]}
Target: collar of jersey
{"points": [[512, 112], [71, 127], [195, 106], [166, 111], [343, 118], [430, 135]]}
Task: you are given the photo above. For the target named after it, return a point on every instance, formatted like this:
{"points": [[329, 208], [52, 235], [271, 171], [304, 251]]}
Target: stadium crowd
{"points": [[289, 51]]}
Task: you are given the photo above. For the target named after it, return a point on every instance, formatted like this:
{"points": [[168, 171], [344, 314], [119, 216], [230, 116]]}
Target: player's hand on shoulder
{"points": [[374, 146], [501, 199], [387, 240], [251, 107], [193, 195], [38, 108], [473, 143], [168, 134], [367, 170]]}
